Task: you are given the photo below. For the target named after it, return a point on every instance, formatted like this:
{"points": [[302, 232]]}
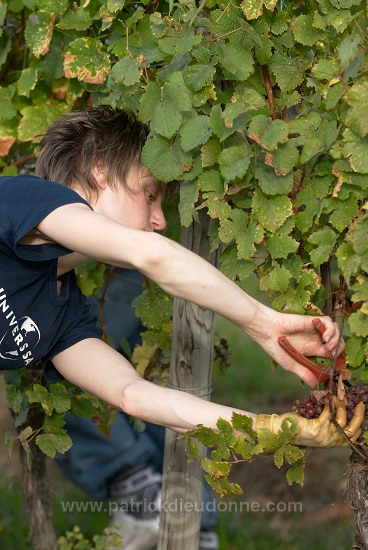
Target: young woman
{"points": [[92, 198]]}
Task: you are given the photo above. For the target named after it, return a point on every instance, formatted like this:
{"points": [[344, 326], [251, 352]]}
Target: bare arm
{"points": [[98, 368], [185, 275]]}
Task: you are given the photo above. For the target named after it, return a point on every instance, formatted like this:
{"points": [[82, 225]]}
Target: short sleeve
{"points": [[25, 202], [85, 328]]}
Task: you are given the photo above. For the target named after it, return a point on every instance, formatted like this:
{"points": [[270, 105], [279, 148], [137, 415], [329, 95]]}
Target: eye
{"points": [[150, 196]]}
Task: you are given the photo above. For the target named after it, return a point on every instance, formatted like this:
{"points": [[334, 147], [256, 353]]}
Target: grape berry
{"points": [[314, 405]]}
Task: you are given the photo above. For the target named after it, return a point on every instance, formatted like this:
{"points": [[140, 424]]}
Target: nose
{"points": [[158, 220]]}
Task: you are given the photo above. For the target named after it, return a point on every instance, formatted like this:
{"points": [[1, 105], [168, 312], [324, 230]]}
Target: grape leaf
{"points": [[268, 133], [234, 161], [165, 160], [87, 60], [288, 71], [271, 183], [325, 239], [194, 132], [356, 115], [53, 442], [271, 212]]}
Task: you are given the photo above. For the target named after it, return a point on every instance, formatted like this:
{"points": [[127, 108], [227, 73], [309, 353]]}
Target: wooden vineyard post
{"points": [[190, 371]]}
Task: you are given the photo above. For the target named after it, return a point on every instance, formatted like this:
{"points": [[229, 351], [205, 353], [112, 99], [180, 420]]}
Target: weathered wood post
{"points": [[190, 371]]}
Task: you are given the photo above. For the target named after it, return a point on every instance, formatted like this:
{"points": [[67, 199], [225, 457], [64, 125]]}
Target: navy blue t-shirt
{"points": [[35, 321]]}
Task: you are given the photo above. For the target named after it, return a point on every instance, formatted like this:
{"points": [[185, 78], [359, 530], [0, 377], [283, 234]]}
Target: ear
{"points": [[99, 176]]}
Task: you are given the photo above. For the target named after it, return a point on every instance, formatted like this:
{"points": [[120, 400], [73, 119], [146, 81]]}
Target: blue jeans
{"points": [[94, 459]]}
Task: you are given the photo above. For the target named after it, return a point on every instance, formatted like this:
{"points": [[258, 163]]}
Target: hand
{"points": [[321, 431], [302, 334]]}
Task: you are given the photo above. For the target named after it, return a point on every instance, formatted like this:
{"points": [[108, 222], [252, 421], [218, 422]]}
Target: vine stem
{"points": [[269, 90]]}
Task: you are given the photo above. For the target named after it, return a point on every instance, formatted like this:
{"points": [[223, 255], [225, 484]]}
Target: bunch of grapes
{"points": [[314, 405]]}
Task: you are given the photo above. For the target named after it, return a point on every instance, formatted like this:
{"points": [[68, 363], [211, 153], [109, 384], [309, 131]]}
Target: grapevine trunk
{"points": [[357, 495]]}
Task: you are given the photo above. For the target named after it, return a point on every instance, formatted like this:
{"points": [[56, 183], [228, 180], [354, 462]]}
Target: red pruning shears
{"points": [[321, 373]]}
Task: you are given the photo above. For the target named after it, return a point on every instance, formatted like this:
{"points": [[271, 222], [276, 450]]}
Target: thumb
{"points": [[340, 409]]}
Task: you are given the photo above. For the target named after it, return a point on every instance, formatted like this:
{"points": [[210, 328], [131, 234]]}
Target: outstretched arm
{"points": [[98, 368], [185, 275]]}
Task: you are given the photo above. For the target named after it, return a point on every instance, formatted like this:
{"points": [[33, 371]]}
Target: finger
{"points": [[325, 416], [330, 328], [356, 436], [355, 423], [340, 411]]}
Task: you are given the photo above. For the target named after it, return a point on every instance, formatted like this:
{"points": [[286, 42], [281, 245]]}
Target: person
{"points": [[126, 465], [92, 198]]}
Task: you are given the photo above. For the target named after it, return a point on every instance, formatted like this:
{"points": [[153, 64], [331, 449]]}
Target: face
{"points": [[139, 207]]}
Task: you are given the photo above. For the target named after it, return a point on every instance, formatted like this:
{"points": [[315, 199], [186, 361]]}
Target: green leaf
{"points": [[325, 239], [217, 207], [222, 486], [194, 132], [87, 60], [8, 110], [153, 306], [163, 106], [271, 212], [360, 289], [165, 160], [53, 442], [348, 50], [356, 115], [179, 40], [268, 133], [187, 205], [234, 268], [254, 8], [280, 246], [346, 211], [9, 444], [270, 183], [246, 233], [304, 32], [90, 276], [358, 323], [210, 152], [60, 397], [326, 69], [295, 473], [273, 443], [288, 71], [357, 235], [78, 19], [277, 280], [27, 81], [348, 262], [40, 394], [211, 180], [243, 423], [311, 204], [126, 71], [197, 76], [24, 436], [356, 150], [38, 33], [284, 158], [215, 468], [234, 161], [354, 351], [235, 60]]}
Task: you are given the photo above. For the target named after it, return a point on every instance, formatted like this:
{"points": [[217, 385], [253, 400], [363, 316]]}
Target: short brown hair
{"points": [[103, 136]]}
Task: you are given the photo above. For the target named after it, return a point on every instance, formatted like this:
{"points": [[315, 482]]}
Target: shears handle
{"points": [[322, 374]]}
